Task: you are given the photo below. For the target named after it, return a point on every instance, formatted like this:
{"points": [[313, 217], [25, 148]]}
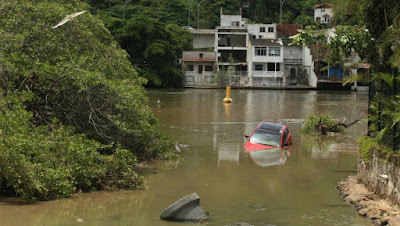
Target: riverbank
{"points": [[368, 204]]}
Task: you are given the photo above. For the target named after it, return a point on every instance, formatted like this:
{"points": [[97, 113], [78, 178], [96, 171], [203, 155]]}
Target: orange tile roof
{"points": [[288, 29], [323, 5]]}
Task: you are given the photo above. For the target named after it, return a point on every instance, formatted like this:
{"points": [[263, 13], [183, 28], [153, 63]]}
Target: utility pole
{"points": [[198, 14], [280, 14], [123, 10], [189, 14]]}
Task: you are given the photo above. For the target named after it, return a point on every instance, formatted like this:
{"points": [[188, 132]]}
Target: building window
{"points": [[322, 10], [258, 67], [260, 36], [235, 23], [273, 66], [270, 66], [200, 55], [274, 51], [270, 29], [208, 68], [190, 67], [260, 51], [262, 29]]}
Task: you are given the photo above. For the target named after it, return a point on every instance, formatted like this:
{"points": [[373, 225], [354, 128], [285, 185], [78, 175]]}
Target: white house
{"points": [[199, 68], [323, 13], [266, 62]]}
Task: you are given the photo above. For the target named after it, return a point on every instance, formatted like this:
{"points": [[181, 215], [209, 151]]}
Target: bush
{"points": [[41, 163], [316, 124]]}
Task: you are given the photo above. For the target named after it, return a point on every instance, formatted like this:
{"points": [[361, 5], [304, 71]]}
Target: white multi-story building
{"points": [[247, 55]]}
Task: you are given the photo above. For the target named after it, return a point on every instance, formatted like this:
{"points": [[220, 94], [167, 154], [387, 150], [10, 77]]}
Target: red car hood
{"points": [[254, 147]]}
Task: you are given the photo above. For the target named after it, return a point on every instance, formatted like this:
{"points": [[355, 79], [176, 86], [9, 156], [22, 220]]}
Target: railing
{"points": [[271, 74], [293, 61]]}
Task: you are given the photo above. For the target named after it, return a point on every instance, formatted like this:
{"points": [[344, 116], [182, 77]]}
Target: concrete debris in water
{"points": [[186, 209]]}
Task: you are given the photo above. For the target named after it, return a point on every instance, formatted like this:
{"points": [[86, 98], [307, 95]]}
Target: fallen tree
{"points": [[324, 123]]}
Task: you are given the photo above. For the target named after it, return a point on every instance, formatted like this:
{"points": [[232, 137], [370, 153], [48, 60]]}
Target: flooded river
{"points": [[295, 187]]}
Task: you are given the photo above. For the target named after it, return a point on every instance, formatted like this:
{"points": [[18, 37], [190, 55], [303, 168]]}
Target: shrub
{"points": [[316, 124], [41, 163]]}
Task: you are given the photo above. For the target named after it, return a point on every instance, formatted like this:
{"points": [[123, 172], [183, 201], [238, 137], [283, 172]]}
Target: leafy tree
{"points": [[75, 75]]}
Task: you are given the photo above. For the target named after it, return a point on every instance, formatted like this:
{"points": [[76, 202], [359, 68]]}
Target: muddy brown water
{"points": [[296, 188]]}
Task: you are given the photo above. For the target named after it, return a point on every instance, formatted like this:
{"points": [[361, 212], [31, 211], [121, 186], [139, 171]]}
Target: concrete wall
{"points": [[254, 29], [203, 41], [308, 64], [370, 174], [292, 53], [226, 20], [196, 55]]}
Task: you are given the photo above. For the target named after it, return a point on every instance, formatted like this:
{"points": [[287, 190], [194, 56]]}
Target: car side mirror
{"points": [[285, 144], [246, 136]]}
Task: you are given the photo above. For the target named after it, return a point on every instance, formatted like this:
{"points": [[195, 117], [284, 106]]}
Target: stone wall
{"points": [[381, 176]]}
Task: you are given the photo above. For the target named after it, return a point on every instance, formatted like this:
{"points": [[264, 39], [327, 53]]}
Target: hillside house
{"points": [[323, 13]]}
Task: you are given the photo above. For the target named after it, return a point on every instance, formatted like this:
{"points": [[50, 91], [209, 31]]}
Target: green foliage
{"points": [[153, 47], [41, 163], [74, 114], [367, 147], [315, 124], [77, 73]]}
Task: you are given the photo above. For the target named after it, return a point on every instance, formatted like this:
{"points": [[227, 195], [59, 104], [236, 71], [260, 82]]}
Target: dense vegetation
{"points": [[73, 110]]}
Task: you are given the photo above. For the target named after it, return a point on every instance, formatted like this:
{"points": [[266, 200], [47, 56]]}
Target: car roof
{"points": [[272, 126]]}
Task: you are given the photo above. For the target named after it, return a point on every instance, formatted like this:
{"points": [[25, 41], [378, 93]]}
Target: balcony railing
{"points": [[293, 61], [266, 74]]}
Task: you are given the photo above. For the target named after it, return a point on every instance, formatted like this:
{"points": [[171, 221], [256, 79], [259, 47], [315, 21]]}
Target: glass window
{"points": [[201, 55], [270, 29], [278, 67], [260, 51], [274, 51], [262, 29], [190, 67], [258, 67], [271, 67], [266, 137], [208, 68]]}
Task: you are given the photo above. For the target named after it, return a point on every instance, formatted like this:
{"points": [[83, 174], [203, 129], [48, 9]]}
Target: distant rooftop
{"points": [[323, 6], [268, 42], [288, 29], [202, 31]]}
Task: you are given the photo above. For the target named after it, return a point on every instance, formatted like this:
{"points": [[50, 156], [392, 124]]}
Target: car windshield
{"points": [[266, 137]]}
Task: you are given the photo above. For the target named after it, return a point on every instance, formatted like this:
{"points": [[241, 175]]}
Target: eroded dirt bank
{"points": [[369, 205]]}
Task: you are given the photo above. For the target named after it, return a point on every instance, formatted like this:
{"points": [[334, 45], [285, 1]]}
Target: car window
{"points": [[266, 137]]}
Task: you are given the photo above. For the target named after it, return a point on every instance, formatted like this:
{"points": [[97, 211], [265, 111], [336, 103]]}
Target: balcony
{"points": [[267, 74], [293, 61]]}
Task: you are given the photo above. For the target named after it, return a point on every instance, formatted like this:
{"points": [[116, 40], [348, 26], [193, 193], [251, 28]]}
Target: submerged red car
{"points": [[268, 135]]}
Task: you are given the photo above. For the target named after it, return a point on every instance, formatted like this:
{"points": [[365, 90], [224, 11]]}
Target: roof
{"points": [[326, 15], [265, 42], [202, 31], [198, 60], [271, 126], [364, 66], [288, 29], [322, 6]]}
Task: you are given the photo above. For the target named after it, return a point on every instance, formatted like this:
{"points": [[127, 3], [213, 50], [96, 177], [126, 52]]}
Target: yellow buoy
{"points": [[228, 99]]}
